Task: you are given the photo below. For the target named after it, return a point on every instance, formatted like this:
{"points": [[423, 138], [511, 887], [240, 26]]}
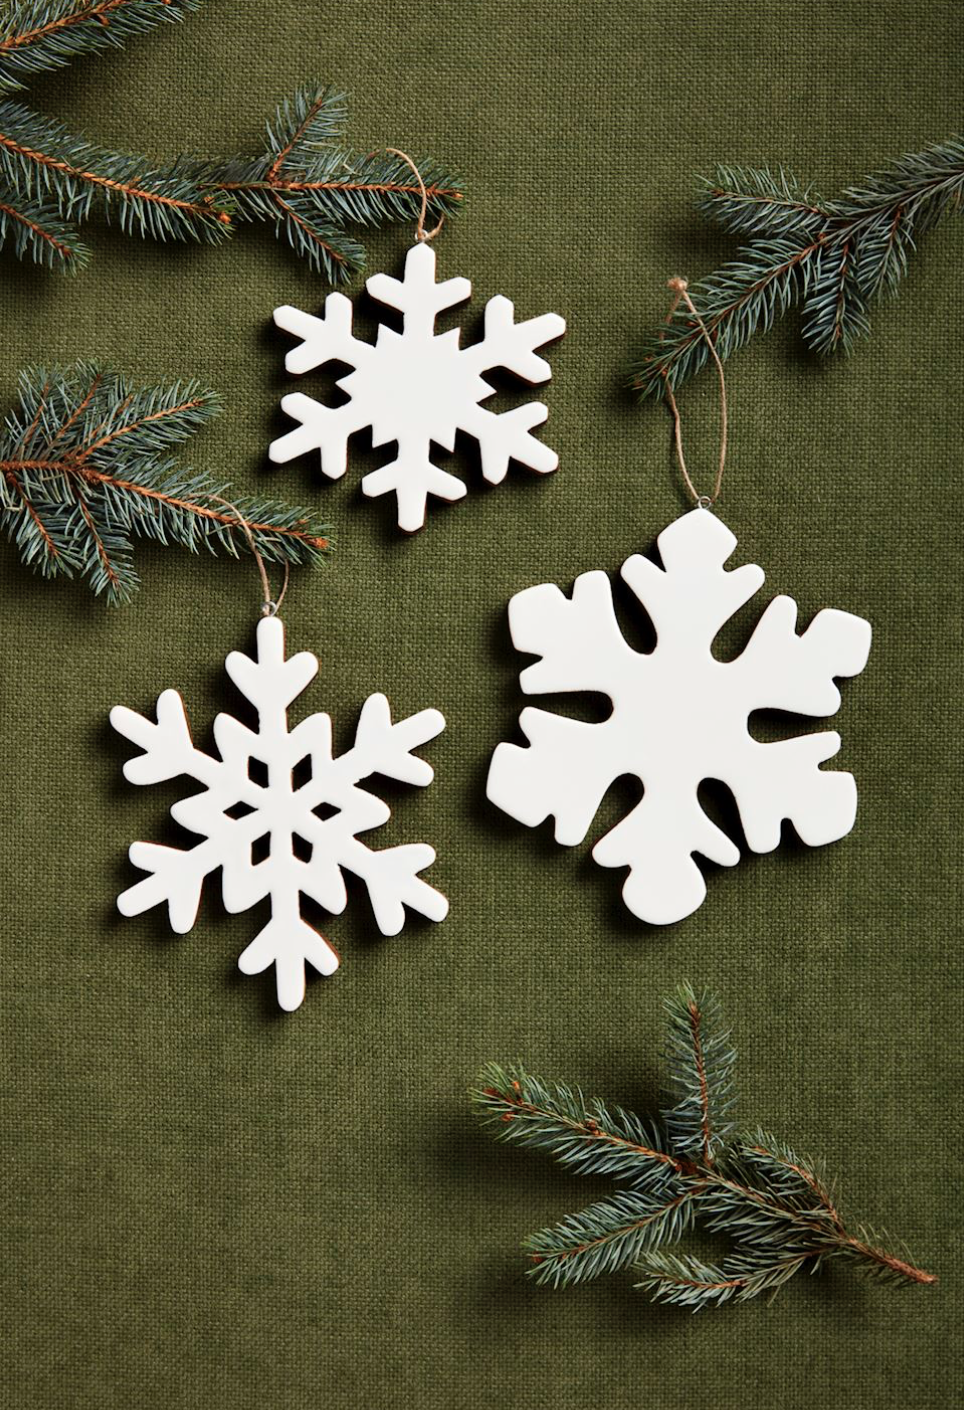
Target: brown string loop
{"points": [[421, 234], [702, 501], [269, 606]]}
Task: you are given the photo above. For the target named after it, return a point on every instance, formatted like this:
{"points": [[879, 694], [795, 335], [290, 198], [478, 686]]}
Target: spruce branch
{"points": [[831, 257], [41, 160], [777, 1208], [88, 463], [37, 229], [698, 1085], [305, 181], [50, 177]]}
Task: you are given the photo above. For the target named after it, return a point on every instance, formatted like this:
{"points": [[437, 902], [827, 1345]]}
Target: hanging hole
{"points": [[301, 773], [258, 772], [239, 810]]}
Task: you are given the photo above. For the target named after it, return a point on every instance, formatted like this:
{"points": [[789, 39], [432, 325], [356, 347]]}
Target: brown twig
{"points": [[130, 189], [890, 1260], [102, 553], [99, 12], [134, 425], [695, 1031], [841, 295], [808, 1177], [542, 1258], [18, 489], [293, 215], [296, 137]]}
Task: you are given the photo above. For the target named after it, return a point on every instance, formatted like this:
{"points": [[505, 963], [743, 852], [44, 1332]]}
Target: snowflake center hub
{"points": [[669, 725], [416, 388]]}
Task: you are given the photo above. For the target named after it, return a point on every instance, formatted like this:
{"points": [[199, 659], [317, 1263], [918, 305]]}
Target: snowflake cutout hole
{"points": [[417, 387], [679, 716], [279, 814]]}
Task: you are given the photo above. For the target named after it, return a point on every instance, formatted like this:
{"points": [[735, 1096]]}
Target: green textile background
{"points": [[210, 1204]]}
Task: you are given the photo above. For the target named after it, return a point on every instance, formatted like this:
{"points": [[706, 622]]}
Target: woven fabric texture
{"points": [[209, 1204]]}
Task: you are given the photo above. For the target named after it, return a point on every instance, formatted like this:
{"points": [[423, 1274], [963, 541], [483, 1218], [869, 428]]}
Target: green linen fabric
{"points": [[210, 1204]]}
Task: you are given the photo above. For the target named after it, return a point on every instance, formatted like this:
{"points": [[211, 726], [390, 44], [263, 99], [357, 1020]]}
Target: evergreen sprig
{"points": [[311, 185], [778, 1208], [51, 178], [831, 257], [88, 463], [306, 180]]}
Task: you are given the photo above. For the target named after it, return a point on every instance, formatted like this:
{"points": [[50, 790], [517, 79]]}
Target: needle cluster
{"points": [[690, 1167]]}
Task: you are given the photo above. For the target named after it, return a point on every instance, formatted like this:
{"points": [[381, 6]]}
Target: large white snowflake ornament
{"points": [[280, 790], [416, 387], [679, 716]]}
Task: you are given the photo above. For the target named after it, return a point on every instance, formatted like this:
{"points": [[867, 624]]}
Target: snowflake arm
{"points": [[323, 428], [168, 748], [577, 637], [412, 477], [783, 671], [512, 345], [799, 671], [417, 296], [771, 782], [581, 648], [382, 747], [693, 595], [326, 339], [391, 876], [506, 437], [175, 875], [530, 785], [656, 842], [268, 681]]}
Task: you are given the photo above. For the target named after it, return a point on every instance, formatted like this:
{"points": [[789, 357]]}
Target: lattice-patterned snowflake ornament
{"points": [[679, 716], [280, 791], [417, 387]]}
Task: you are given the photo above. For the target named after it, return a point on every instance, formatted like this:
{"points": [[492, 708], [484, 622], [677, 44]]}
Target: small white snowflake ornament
{"points": [[308, 829], [679, 716], [416, 387]]}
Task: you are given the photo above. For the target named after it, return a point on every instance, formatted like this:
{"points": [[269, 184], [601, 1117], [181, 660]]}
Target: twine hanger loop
{"points": [[269, 606], [421, 234], [680, 290]]}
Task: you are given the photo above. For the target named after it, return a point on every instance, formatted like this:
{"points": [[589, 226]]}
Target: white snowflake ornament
{"points": [[679, 716], [416, 387], [308, 827]]}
